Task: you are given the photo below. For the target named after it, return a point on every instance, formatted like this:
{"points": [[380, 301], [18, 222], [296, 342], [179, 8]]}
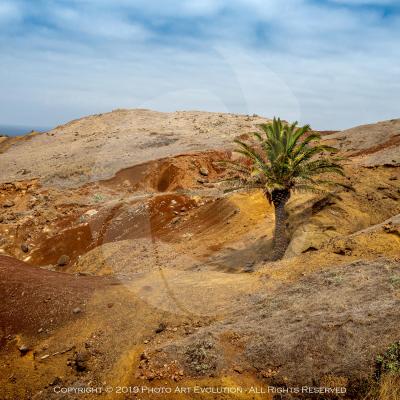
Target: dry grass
{"points": [[387, 389]]}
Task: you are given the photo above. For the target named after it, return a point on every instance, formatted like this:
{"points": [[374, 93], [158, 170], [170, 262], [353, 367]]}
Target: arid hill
{"points": [[124, 262]]}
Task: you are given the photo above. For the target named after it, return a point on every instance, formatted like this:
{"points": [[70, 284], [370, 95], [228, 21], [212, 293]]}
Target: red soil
{"points": [[392, 142], [33, 298]]}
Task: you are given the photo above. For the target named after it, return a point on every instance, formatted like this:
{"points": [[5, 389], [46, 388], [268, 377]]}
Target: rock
{"points": [[90, 213], [8, 204], [342, 246], [77, 310], [56, 381], [63, 260], [24, 247], [201, 180], [11, 217], [175, 220], [161, 328], [203, 171], [393, 178], [23, 349]]}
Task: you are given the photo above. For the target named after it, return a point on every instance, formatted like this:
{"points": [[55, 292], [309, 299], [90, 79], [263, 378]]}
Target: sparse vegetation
{"points": [[395, 281], [389, 361], [97, 198], [280, 159]]}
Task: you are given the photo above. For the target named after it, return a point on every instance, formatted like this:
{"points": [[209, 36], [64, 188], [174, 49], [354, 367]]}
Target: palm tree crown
{"points": [[284, 157]]}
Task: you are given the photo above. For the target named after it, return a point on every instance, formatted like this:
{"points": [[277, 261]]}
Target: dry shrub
{"points": [[389, 387]]}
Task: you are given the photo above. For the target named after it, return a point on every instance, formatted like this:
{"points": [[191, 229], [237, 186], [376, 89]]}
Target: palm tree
{"points": [[280, 159]]}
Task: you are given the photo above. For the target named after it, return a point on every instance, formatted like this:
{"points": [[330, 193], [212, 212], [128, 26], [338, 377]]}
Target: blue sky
{"points": [[331, 63]]}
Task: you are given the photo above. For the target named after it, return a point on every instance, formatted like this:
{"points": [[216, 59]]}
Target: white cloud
{"points": [[330, 66], [96, 23]]}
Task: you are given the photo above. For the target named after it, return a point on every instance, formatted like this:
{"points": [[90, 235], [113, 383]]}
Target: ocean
{"points": [[14, 130]]}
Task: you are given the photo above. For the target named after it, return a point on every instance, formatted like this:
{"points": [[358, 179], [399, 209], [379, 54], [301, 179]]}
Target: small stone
{"points": [[45, 356], [146, 341], [76, 310], [393, 178], [203, 171], [23, 349], [151, 376], [63, 260], [24, 247], [161, 327], [201, 180], [40, 330], [8, 204], [56, 381], [238, 369], [91, 212], [175, 220], [11, 217]]}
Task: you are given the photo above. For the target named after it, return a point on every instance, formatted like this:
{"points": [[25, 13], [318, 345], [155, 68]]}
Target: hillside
{"points": [[124, 261]]}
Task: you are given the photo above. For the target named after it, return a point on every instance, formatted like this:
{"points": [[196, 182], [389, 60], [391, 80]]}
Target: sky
{"points": [[331, 63]]}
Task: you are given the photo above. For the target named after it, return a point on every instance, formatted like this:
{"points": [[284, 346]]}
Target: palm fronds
{"points": [[283, 156]]}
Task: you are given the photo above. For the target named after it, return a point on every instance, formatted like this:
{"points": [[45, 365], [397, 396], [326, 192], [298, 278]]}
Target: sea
{"points": [[14, 130]]}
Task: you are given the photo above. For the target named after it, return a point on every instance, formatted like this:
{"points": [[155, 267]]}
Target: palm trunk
{"points": [[280, 241]]}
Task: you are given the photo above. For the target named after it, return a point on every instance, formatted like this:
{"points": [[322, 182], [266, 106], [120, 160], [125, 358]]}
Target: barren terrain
{"points": [[124, 262]]}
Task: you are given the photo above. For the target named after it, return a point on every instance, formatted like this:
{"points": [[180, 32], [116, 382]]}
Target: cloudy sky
{"points": [[331, 63]]}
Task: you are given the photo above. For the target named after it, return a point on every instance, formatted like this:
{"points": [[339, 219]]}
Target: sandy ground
{"points": [[98, 146]]}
